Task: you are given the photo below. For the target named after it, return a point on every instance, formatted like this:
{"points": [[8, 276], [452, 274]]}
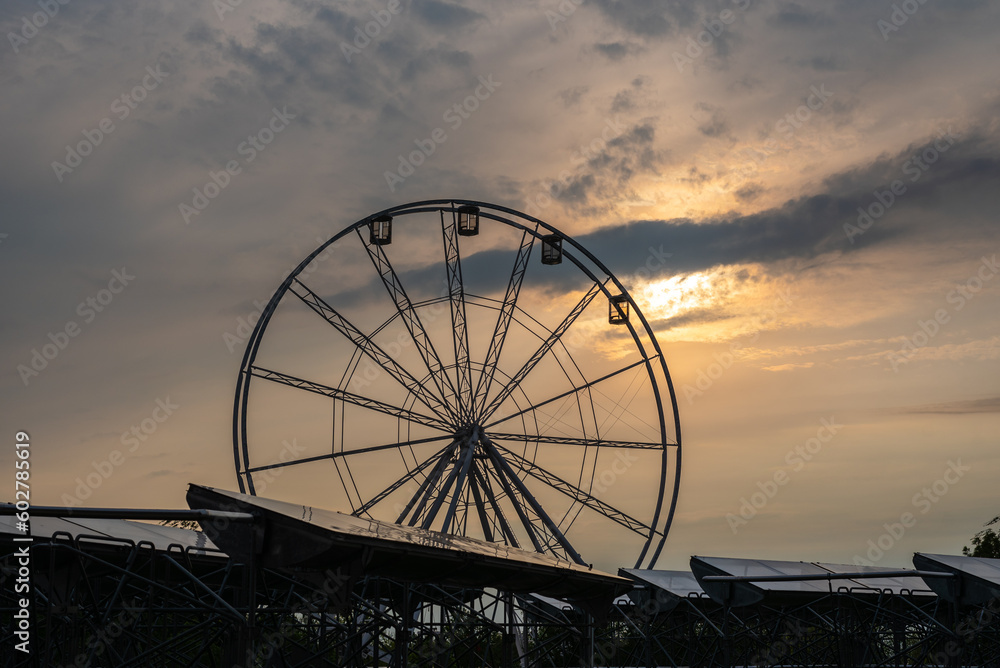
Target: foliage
{"points": [[986, 543]]}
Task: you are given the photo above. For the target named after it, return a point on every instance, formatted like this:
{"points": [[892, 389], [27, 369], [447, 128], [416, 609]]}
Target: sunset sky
{"points": [[801, 196]]}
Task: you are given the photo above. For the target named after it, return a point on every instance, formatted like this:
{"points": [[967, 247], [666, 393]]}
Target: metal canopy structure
{"points": [[795, 614], [296, 536], [741, 582], [976, 580], [109, 531], [123, 593], [302, 586]]}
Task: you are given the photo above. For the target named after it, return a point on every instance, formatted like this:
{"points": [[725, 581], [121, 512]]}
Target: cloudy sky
{"points": [[823, 177]]}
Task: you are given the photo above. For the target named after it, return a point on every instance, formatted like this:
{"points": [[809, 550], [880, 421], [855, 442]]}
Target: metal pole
{"points": [[130, 513]]}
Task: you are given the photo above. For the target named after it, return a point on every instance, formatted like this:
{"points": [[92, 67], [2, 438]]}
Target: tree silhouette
{"points": [[986, 543]]}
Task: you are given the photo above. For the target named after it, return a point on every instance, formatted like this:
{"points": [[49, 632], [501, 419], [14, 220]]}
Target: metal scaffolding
{"points": [[111, 592]]}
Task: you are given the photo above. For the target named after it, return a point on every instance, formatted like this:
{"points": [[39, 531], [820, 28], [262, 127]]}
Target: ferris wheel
{"points": [[464, 368]]}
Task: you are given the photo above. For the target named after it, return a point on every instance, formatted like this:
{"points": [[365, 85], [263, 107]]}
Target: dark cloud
{"points": [[746, 84], [810, 226], [341, 22], [793, 15], [713, 121], [617, 50], [427, 61], [610, 171], [330, 52], [202, 34], [648, 19], [827, 63], [963, 407], [572, 96], [625, 99], [445, 15], [622, 102], [804, 228], [695, 177], [750, 192]]}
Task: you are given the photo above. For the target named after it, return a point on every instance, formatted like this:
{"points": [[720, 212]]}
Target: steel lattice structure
{"points": [[103, 600]]}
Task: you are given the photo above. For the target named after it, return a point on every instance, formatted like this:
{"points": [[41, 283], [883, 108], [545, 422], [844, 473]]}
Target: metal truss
{"points": [[101, 601]]}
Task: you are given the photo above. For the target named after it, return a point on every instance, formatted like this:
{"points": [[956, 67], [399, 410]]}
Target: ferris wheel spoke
{"points": [[356, 399], [477, 496], [459, 324], [411, 319], [410, 475], [481, 481], [504, 319], [346, 453], [546, 346], [578, 495], [456, 478], [566, 440], [504, 468], [579, 388], [368, 347], [463, 474], [518, 508], [427, 489]]}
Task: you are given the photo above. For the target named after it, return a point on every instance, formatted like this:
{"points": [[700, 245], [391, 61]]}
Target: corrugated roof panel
{"points": [[679, 583], [759, 567], [161, 537], [909, 586], [313, 538], [980, 567]]}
